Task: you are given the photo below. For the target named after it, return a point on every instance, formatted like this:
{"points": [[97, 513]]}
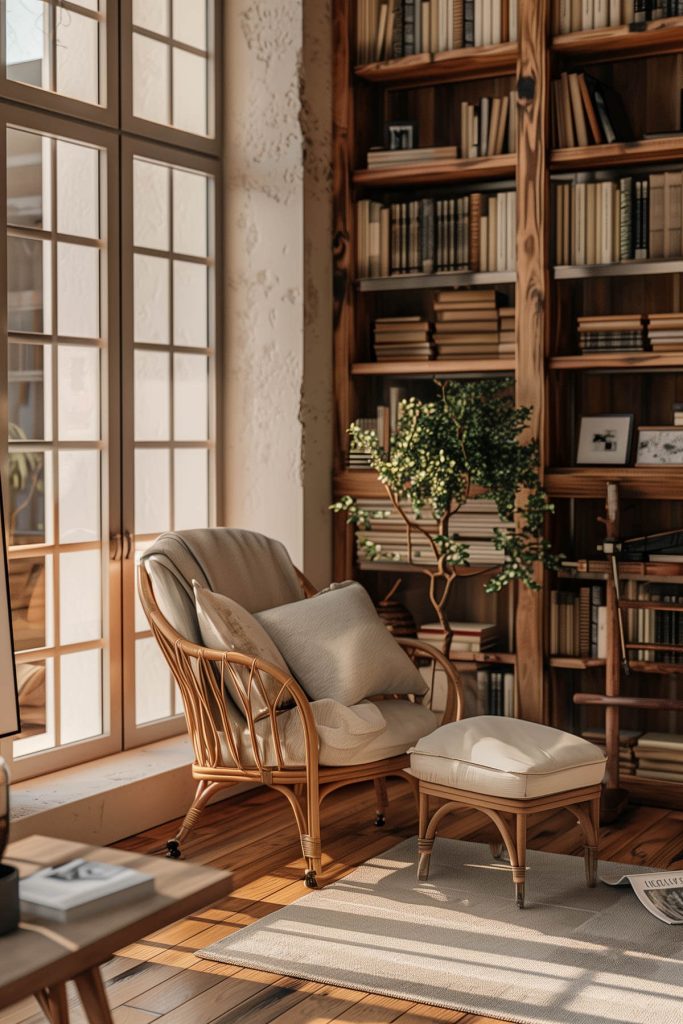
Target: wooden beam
{"points": [[533, 73]]}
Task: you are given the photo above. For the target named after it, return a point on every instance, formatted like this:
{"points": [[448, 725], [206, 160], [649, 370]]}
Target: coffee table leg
{"points": [[53, 1004], [93, 996]]}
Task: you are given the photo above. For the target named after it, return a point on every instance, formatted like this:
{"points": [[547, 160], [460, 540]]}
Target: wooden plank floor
{"points": [[161, 980]]}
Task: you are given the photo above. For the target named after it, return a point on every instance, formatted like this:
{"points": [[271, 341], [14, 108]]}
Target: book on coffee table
{"points": [[77, 887]]}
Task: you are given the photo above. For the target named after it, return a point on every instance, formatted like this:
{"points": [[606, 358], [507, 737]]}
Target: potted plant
{"points": [[467, 443]]}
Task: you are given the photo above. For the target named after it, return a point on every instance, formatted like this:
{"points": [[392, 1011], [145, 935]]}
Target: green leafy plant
{"points": [[465, 444]]}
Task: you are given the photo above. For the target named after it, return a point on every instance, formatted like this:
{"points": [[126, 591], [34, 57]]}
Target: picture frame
{"points": [[605, 440], [660, 446], [9, 693], [400, 135]]}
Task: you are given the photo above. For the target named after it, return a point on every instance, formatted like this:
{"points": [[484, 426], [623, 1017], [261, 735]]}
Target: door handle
{"points": [[117, 541], [129, 544]]}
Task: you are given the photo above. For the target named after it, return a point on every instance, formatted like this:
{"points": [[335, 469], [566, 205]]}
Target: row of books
{"points": [[586, 112], [402, 337], [471, 322], [489, 126], [578, 622], [654, 625], [473, 524], [611, 222], [620, 332], [472, 637], [579, 15], [471, 232], [388, 29]]}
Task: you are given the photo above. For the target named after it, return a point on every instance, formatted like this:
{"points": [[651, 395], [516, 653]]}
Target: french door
{"points": [[108, 412]]}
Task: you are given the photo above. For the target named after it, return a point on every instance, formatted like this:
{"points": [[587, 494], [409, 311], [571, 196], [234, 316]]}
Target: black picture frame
{"points": [[10, 720], [400, 135], [619, 426]]}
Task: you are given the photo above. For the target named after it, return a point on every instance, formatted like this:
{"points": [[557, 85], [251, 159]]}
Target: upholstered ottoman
{"points": [[508, 769]]}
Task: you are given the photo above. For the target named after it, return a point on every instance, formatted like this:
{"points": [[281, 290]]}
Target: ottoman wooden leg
{"points": [[424, 845], [519, 869], [588, 817]]}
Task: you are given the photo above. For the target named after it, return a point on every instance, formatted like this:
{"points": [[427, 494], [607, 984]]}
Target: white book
{"points": [[607, 217], [600, 13], [443, 25], [484, 113], [449, 24], [478, 22], [496, 21], [580, 223], [513, 20], [511, 230], [486, 27], [587, 14], [425, 18], [381, 31], [492, 232], [508, 694], [484, 243], [501, 232], [615, 12], [602, 631], [80, 887], [565, 19], [628, 11]]}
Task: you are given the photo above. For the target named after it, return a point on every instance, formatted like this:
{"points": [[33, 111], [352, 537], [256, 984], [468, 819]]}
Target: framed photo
{"points": [[9, 700], [660, 446], [605, 440], [401, 135]]}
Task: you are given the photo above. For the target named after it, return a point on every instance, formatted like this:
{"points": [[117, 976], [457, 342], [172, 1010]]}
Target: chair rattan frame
{"points": [[201, 673]]}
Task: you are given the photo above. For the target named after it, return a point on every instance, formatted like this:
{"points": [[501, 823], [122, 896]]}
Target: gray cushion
{"points": [[337, 647], [227, 626]]}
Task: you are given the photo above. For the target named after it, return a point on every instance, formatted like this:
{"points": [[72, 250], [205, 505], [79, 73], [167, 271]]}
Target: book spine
{"points": [[475, 231], [408, 28], [468, 22], [626, 247]]}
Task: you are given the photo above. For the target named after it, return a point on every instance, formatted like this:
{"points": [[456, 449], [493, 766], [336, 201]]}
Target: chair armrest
{"points": [[453, 711]]}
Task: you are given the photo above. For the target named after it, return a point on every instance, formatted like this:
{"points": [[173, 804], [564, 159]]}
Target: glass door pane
{"points": [[169, 452], [57, 438]]}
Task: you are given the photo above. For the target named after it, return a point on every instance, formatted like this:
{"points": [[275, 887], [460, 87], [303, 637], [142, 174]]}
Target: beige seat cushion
{"points": [[506, 757], [360, 734]]}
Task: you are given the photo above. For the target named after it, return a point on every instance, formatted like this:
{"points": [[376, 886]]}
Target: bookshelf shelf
{"points": [[628, 268], [618, 154], [440, 68], [659, 792], [484, 658], [560, 661], [646, 482], [439, 172], [433, 368], [618, 361], [654, 37], [442, 279]]}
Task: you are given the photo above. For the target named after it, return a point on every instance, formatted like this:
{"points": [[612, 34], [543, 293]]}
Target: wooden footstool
{"points": [[508, 769]]}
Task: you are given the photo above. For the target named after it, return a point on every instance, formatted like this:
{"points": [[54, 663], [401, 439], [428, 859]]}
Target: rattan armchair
{"points": [[232, 746]]}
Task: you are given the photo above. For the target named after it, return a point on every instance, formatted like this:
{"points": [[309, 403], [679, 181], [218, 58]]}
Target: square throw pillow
{"points": [[337, 647], [227, 626]]}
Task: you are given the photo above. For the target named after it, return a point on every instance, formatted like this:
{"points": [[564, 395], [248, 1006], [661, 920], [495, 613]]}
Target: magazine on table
{"points": [[660, 892], [80, 887]]}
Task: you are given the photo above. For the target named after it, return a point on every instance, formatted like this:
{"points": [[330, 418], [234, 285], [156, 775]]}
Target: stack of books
{"points": [[489, 127], [627, 743], [587, 14], [387, 29], [506, 331], [473, 525], [659, 755], [382, 158], [467, 324], [471, 637], [402, 337], [619, 333], [665, 332], [586, 112], [578, 622], [471, 232]]}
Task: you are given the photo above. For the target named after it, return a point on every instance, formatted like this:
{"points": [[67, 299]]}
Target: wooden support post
{"points": [[532, 307]]}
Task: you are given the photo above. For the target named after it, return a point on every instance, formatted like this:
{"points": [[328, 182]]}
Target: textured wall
{"points": [[278, 274]]}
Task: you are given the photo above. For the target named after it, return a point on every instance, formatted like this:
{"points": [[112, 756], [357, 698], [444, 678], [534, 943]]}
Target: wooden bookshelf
{"points": [[485, 168], [434, 368], [551, 375]]}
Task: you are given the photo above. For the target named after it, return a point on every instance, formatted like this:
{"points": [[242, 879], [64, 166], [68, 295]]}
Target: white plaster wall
{"points": [[278, 390]]}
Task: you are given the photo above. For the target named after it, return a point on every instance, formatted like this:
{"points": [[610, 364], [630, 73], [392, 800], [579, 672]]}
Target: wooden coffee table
{"points": [[42, 955]]}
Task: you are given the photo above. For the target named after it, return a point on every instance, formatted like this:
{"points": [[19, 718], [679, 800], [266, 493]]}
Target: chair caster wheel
{"points": [[173, 849], [379, 820], [310, 880]]}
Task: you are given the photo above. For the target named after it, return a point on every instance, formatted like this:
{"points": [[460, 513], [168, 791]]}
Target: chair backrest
{"points": [[254, 570]]}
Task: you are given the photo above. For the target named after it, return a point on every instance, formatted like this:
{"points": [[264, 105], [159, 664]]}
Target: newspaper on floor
{"points": [[660, 892]]}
